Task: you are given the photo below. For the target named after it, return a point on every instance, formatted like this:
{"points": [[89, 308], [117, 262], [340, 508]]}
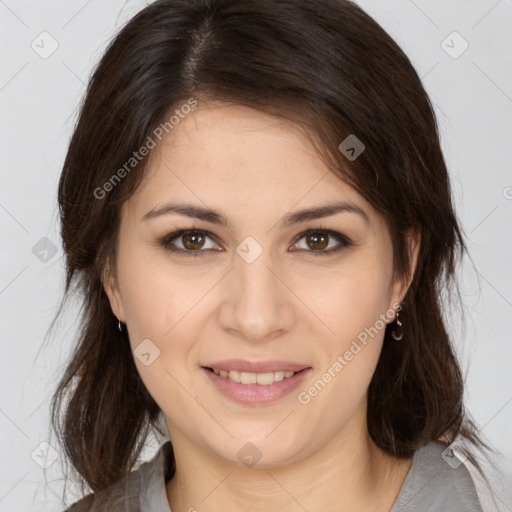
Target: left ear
{"points": [[401, 285]]}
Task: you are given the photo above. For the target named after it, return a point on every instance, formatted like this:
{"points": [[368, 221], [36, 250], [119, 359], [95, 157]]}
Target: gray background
{"points": [[472, 93]]}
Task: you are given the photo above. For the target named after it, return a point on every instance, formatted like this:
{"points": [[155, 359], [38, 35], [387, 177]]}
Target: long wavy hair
{"points": [[326, 66]]}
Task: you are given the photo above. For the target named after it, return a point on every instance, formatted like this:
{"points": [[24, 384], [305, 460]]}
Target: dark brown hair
{"points": [[329, 68]]}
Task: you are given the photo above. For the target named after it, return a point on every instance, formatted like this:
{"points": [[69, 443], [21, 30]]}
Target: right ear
{"points": [[109, 281]]}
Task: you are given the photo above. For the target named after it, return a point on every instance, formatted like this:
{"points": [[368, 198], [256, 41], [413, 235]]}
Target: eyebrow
{"points": [[214, 217]]}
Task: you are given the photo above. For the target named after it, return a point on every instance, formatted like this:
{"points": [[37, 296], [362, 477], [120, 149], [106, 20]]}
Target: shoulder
{"points": [[439, 479], [125, 495], [120, 496]]}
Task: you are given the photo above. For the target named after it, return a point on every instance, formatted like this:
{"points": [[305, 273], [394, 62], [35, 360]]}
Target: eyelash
{"points": [[166, 241]]}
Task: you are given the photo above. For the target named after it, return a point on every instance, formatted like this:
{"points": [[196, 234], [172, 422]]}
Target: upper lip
{"points": [[239, 365]]}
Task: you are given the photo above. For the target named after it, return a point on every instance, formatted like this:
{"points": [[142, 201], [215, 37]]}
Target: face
{"points": [[252, 289]]}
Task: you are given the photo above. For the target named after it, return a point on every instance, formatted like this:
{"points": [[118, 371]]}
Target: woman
{"points": [[257, 211]]}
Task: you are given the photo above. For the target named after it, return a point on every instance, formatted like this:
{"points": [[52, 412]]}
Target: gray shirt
{"points": [[431, 485]]}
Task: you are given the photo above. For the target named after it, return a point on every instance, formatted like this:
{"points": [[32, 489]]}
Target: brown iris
{"points": [[196, 241], [318, 240]]}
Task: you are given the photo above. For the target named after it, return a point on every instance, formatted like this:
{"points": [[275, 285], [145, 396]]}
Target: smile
{"points": [[250, 388]]}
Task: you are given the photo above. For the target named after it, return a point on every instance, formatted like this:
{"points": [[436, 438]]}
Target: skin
{"points": [[288, 304]]}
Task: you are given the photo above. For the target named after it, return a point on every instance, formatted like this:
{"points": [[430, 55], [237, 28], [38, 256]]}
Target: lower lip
{"points": [[254, 394]]}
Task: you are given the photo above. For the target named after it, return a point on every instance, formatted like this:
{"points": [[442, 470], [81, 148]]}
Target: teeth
{"points": [[263, 379]]}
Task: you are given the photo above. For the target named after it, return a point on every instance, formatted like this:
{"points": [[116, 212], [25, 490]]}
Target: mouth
{"points": [[234, 380]]}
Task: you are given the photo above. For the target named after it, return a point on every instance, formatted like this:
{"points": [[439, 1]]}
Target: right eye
{"points": [[192, 241]]}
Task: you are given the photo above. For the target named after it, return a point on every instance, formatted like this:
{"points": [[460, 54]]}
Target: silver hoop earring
{"points": [[119, 325]]}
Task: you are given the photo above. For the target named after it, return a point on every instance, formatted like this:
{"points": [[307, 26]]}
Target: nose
{"points": [[258, 305]]}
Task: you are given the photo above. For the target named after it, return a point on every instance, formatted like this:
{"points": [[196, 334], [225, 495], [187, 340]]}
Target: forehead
{"points": [[237, 142], [229, 156]]}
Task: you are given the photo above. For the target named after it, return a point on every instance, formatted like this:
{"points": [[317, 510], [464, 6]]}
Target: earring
{"points": [[397, 333], [119, 325]]}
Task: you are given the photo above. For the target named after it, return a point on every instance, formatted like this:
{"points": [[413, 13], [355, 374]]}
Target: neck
{"points": [[349, 473]]}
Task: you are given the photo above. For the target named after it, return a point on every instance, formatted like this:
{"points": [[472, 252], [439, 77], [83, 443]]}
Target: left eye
{"points": [[193, 242], [319, 240]]}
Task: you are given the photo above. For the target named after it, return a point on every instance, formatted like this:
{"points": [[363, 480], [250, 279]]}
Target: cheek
{"points": [[155, 297], [159, 309], [348, 358], [165, 307], [354, 308], [356, 298]]}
